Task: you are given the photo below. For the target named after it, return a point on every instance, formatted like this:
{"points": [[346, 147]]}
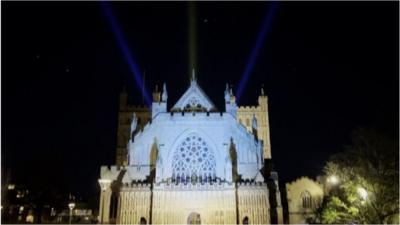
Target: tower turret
{"points": [[262, 99], [264, 122], [227, 94], [164, 96], [159, 104], [156, 95], [230, 102], [232, 98], [123, 99]]}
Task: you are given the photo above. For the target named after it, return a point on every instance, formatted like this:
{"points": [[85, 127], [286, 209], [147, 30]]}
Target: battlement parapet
{"points": [[136, 186], [110, 172], [111, 168], [248, 108]]}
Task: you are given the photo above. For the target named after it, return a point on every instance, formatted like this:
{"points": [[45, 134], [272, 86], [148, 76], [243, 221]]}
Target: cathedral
{"points": [[191, 164]]}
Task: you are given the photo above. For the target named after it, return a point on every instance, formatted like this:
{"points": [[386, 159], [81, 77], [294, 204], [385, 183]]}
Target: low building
{"points": [[304, 195]]}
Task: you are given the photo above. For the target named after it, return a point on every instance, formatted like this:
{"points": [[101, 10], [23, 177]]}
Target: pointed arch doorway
{"points": [[194, 218]]}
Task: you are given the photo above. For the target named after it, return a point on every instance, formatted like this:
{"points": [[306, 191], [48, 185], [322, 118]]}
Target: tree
{"points": [[368, 187], [5, 181]]}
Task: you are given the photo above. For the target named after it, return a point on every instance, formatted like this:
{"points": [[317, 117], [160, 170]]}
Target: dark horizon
{"points": [[327, 68]]}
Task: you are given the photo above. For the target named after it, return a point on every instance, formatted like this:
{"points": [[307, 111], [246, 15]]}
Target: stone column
{"points": [[106, 205], [105, 197], [279, 210], [101, 207]]}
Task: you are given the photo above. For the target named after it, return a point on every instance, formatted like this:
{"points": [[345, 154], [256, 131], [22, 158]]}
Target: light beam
{"points": [[123, 45], [265, 27], [192, 36]]}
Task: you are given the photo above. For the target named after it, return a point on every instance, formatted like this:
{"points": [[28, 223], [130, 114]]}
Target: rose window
{"points": [[193, 158]]}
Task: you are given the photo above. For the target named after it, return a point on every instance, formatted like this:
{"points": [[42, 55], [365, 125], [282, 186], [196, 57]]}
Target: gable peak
{"points": [[194, 99]]}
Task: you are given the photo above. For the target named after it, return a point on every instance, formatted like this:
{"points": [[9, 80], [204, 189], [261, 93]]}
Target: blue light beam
{"points": [[266, 26], [123, 45]]}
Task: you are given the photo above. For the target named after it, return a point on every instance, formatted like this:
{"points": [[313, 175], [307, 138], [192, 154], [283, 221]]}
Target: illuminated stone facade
{"points": [[304, 195], [188, 165], [245, 115]]}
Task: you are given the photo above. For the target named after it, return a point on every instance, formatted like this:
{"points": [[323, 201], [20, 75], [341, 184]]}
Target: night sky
{"points": [[327, 67]]}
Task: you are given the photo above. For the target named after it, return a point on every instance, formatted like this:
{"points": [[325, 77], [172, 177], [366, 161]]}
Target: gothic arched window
{"points": [[193, 158], [246, 220], [306, 199], [143, 220]]}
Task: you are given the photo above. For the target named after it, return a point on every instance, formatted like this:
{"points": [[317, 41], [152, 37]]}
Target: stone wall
{"points": [[134, 204], [214, 203], [253, 203]]}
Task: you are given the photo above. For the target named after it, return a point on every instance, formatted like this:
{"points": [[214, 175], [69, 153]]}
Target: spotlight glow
{"points": [[266, 26], [363, 193], [333, 179], [123, 45]]}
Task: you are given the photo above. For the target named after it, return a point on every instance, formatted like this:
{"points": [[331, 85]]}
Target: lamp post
{"points": [[333, 179], [104, 184], [71, 207], [331, 184], [363, 193]]}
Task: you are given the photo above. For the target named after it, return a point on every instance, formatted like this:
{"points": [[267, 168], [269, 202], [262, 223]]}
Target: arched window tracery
{"points": [[193, 159], [306, 199]]}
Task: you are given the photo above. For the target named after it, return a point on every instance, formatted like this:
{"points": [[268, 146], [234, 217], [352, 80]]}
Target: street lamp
{"points": [[333, 179], [71, 207], [362, 192], [104, 184]]}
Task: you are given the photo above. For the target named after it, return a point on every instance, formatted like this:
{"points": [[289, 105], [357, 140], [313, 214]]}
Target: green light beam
{"points": [[192, 38]]}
